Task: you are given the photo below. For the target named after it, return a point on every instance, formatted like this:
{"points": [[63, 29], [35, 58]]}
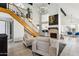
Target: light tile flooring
{"points": [[71, 49], [18, 49], [72, 46]]}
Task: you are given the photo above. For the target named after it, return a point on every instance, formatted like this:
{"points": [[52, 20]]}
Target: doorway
{"points": [[9, 29], [6, 27]]}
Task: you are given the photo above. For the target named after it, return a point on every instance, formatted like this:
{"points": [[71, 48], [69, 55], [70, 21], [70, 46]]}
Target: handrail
{"points": [[17, 8], [23, 14], [22, 22]]}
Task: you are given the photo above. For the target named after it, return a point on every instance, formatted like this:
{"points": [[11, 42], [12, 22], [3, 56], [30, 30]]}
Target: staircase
{"points": [[25, 23]]}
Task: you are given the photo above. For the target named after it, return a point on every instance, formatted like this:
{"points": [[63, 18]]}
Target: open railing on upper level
{"points": [[20, 19]]}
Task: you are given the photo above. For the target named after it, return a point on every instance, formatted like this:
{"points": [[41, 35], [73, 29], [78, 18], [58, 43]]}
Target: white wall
{"points": [[2, 27], [53, 9], [69, 21], [35, 16], [45, 19], [18, 31]]}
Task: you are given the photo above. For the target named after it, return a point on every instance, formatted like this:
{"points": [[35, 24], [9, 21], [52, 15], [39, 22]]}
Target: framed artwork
{"points": [[53, 20]]}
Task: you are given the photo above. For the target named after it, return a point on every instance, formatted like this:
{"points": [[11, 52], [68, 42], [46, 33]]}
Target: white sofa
{"points": [[42, 46], [27, 42], [28, 39]]}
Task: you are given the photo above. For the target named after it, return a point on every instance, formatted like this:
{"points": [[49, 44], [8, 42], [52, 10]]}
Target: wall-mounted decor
{"points": [[53, 20]]}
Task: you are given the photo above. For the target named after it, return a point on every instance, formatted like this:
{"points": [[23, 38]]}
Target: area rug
{"points": [[61, 47]]}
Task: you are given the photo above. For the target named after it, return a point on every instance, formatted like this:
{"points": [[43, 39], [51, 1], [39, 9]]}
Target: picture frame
{"points": [[53, 20]]}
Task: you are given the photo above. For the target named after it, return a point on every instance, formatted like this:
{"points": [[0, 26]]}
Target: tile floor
{"points": [[18, 49], [72, 46], [71, 49]]}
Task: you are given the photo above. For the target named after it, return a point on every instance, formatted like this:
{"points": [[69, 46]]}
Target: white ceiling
{"points": [[71, 9], [44, 7]]}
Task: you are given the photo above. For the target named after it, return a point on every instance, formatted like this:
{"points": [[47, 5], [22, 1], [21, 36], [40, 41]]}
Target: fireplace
{"points": [[53, 32], [53, 35]]}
